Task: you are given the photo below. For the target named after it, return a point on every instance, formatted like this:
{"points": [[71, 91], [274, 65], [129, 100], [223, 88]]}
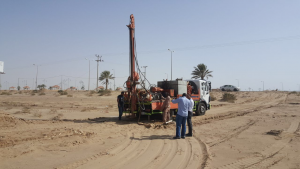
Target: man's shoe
{"points": [[189, 135], [176, 137], [183, 137]]}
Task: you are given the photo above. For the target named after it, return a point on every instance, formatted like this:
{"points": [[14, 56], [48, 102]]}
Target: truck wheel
{"points": [[171, 114], [201, 109]]}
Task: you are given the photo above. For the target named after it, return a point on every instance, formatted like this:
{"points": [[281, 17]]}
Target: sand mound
{"points": [[7, 121]]}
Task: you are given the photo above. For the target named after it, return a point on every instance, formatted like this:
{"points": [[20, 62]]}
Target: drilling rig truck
{"points": [[145, 101]]}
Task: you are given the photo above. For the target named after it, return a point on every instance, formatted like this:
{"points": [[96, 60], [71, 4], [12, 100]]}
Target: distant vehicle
{"points": [[229, 88]]}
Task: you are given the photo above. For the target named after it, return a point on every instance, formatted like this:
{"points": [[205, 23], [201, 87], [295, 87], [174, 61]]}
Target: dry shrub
{"points": [[58, 117], [42, 93], [88, 109], [5, 93], [212, 97], [26, 110], [104, 93], [295, 93], [20, 92], [70, 95], [61, 92], [37, 114], [52, 111], [32, 94], [228, 97]]}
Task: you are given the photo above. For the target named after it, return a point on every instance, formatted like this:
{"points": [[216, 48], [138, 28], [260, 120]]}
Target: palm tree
{"points": [[105, 75], [201, 71]]}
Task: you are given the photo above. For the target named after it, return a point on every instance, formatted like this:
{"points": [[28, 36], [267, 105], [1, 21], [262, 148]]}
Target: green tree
{"points": [[201, 71], [42, 86], [19, 87], [105, 75]]}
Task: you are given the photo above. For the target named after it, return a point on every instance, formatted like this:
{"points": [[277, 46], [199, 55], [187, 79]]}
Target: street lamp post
{"points": [[44, 80], [238, 82], [89, 72], [98, 60], [171, 61], [37, 71], [114, 79], [263, 85]]}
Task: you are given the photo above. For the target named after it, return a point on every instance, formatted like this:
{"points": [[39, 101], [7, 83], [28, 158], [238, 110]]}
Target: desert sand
{"points": [[81, 130]]}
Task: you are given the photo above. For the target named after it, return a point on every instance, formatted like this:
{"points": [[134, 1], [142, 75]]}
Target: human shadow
{"points": [[124, 121], [154, 137]]}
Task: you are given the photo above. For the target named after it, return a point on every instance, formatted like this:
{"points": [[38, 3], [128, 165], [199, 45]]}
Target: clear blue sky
{"points": [[252, 41]]}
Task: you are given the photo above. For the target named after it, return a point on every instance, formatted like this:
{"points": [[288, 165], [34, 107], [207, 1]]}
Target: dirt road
{"points": [[259, 130]]}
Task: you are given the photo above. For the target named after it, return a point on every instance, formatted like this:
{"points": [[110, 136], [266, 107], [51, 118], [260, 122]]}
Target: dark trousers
{"points": [[180, 124], [189, 122], [121, 109]]}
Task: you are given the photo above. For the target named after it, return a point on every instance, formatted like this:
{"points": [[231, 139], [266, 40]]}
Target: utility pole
{"points": [[238, 82], [61, 82], [68, 82], [37, 71], [263, 85], [114, 79], [98, 60], [171, 61]]}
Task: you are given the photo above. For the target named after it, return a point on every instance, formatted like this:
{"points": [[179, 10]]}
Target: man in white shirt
{"points": [[190, 114]]}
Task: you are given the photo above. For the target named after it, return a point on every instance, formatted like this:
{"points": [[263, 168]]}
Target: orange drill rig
{"points": [[148, 102]]}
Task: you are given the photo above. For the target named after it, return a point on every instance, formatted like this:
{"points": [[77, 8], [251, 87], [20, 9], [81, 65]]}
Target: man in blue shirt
{"points": [[183, 106]]}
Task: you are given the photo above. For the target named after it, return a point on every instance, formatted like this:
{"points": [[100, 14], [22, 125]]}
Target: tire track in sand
{"points": [[235, 133], [148, 151], [111, 152], [269, 156]]}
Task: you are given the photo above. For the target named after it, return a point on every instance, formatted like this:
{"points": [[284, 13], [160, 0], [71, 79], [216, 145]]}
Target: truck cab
{"points": [[200, 92]]}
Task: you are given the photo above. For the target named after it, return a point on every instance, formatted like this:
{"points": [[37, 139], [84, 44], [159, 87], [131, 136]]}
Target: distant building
{"points": [[119, 88], [12, 88], [26, 87], [100, 88], [55, 87]]}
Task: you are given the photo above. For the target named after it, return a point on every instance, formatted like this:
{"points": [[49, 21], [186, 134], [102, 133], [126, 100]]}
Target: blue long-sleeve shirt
{"points": [[183, 106]]}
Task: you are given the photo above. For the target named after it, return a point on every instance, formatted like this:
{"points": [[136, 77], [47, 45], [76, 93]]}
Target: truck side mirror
{"points": [[209, 83]]}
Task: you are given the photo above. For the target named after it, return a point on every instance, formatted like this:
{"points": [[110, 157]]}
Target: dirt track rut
{"points": [[268, 156], [146, 151]]}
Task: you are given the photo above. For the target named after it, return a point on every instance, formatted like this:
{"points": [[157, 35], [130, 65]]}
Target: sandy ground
{"points": [[81, 130]]}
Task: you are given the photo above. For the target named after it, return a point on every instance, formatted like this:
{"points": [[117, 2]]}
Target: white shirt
{"points": [[191, 106]]}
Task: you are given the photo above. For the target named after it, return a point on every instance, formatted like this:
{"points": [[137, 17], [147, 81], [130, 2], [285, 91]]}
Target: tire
{"points": [[201, 109], [171, 114], [223, 89], [235, 90]]}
